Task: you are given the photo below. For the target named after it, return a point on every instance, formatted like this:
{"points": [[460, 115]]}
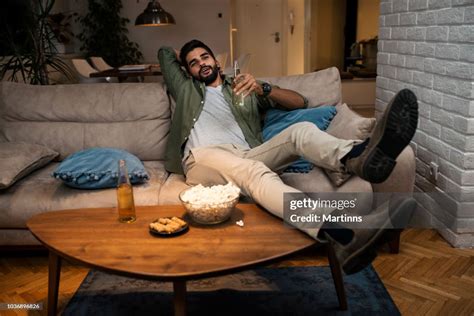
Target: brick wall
{"points": [[428, 46]]}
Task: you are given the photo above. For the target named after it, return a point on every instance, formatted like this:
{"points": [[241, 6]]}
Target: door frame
{"points": [[232, 29], [307, 36]]}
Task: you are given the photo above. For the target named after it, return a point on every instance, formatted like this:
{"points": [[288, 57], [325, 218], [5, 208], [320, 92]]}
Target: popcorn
{"points": [[210, 205], [215, 194]]}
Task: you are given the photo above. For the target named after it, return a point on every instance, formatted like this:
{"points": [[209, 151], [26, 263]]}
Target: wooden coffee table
{"points": [[95, 238]]}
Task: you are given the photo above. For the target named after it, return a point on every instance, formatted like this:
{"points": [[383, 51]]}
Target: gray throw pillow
{"points": [[348, 125], [20, 159]]}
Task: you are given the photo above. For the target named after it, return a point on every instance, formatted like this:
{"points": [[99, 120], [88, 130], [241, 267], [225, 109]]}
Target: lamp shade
{"points": [[154, 15]]}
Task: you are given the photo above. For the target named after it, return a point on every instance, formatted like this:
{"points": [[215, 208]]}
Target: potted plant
{"points": [[111, 41], [27, 42]]}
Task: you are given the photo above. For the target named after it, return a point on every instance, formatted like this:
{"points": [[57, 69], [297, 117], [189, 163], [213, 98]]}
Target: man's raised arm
{"points": [[170, 66]]}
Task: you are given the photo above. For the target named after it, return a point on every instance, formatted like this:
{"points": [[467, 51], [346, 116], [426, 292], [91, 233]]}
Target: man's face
{"points": [[202, 65]]}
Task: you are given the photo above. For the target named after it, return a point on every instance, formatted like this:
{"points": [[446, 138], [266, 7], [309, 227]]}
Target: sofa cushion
{"points": [[171, 189], [97, 168], [320, 88], [39, 193], [20, 159], [17, 237], [69, 118]]}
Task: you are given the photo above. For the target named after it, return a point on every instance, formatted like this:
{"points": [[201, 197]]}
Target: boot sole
{"points": [[366, 254], [399, 127]]}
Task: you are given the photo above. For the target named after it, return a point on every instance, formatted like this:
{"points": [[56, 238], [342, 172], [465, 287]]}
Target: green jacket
{"points": [[189, 95]]}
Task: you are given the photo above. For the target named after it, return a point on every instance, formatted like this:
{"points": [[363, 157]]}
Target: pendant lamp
{"points": [[154, 15]]}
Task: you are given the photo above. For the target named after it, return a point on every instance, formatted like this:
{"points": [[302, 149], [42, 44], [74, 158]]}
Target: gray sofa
{"points": [[134, 117]]}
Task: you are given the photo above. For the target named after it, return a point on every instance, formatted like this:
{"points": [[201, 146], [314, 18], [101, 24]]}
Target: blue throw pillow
{"points": [[277, 120], [97, 168]]}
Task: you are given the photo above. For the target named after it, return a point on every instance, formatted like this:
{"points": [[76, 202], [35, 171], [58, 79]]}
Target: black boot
{"points": [[392, 133]]}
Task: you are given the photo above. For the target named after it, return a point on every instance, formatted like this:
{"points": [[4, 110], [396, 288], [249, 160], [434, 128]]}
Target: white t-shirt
{"points": [[216, 124]]}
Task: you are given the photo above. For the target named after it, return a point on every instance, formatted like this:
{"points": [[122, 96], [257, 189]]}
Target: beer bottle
{"points": [[125, 203]]}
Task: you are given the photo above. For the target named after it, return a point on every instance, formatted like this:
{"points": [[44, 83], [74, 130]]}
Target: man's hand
{"points": [[246, 83]]}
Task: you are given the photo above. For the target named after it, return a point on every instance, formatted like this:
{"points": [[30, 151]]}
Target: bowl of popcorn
{"points": [[210, 205]]}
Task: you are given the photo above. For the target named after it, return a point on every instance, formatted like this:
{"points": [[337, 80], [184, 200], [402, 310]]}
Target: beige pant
{"points": [[255, 170]]}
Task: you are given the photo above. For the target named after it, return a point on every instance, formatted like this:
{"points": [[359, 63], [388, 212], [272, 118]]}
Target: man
{"points": [[213, 141]]}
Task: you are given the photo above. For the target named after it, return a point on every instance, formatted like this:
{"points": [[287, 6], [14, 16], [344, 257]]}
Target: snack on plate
{"points": [[164, 220], [210, 205], [178, 220], [167, 224]]}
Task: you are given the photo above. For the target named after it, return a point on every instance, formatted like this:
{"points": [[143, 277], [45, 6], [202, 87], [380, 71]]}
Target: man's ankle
{"points": [[356, 151]]}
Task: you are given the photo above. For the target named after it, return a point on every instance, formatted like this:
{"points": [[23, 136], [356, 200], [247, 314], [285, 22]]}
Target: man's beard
{"points": [[211, 77]]}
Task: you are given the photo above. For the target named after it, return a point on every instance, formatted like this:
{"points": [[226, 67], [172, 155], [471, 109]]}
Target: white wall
{"points": [[194, 20], [428, 47]]}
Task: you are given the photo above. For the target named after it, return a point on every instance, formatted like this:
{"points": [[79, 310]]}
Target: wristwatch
{"points": [[267, 89]]}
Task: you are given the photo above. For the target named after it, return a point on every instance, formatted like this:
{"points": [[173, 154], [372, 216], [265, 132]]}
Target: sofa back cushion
{"points": [[320, 88], [68, 118]]}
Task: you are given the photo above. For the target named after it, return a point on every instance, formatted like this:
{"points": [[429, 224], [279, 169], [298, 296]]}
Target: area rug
{"points": [[264, 291]]}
